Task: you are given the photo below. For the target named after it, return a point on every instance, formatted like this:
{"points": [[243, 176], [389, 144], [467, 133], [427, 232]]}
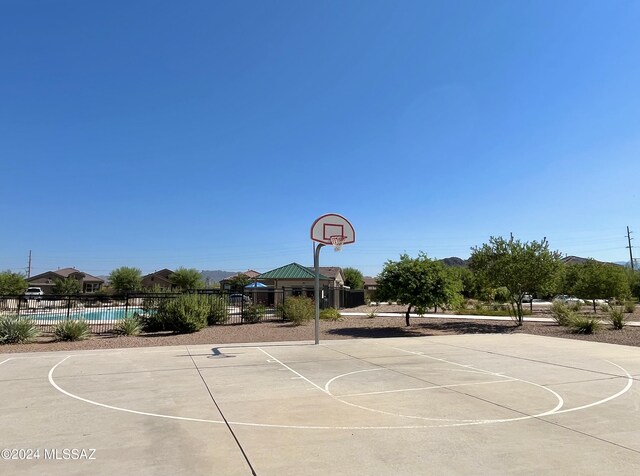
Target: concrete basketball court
{"points": [[472, 404]]}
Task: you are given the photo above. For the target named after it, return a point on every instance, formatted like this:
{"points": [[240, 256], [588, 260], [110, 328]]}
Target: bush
{"points": [[218, 310], [298, 309], [574, 306], [584, 324], [372, 313], [490, 312], [502, 295], [629, 307], [150, 322], [253, 314], [617, 318], [17, 330], [561, 313], [71, 330], [330, 314], [185, 314], [130, 326]]}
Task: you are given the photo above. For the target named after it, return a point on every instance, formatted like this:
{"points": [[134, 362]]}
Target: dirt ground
{"points": [[349, 327]]}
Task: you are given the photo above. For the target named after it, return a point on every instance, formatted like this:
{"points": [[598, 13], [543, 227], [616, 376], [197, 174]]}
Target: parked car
{"points": [[34, 292], [566, 299], [239, 299]]}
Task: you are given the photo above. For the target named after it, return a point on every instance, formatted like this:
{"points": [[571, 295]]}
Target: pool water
{"points": [[105, 314]]}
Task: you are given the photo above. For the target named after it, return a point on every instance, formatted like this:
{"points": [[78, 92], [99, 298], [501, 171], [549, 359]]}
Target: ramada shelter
{"points": [[296, 280]]}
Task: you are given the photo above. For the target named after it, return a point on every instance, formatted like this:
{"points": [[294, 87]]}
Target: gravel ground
{"points": [[349, 327]]}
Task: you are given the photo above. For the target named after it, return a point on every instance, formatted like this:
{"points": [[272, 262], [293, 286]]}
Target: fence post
{"points": [[126, 305], [19, 304], [68, 305]]}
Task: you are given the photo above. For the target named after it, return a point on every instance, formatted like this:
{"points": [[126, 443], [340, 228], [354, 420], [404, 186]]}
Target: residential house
{"points": [[158, 280], [225, 283], [46, 281]]}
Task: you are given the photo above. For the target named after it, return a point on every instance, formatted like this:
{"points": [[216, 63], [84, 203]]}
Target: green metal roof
{"points": [[290, 271]]}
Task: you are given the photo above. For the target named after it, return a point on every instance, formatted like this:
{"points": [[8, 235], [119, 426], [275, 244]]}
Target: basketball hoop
{"points": [[337, 241]]}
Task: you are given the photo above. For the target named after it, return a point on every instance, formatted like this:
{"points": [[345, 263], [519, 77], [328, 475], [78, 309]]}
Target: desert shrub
{"points": [[151, 322], [616, 317], [17, 330], [253, 314], [584, 324], [503, 311], [502, 295], [130, 326], [330, 314], [629, 307], [185, 314], [574, 306], [218, 310], [372, 313], [561, 313], [298, 309], [72, 330]]}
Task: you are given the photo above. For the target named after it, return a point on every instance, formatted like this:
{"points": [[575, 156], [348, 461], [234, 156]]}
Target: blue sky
{"points": [[212, 134]]}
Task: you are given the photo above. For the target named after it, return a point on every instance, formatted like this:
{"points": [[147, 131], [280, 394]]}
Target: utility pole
{"points": [[630, 248], [29, 267]]}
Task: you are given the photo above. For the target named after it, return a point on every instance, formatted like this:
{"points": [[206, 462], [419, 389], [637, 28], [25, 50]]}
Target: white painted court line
{"points": [[289, 368], [443, 423], [92, 402], [425, 388], [7, 360], [604, 400]]}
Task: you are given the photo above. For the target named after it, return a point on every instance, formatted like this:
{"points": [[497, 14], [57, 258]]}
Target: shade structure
{"points": [[255, 285]]}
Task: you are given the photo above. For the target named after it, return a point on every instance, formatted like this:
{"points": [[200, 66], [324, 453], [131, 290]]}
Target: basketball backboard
{"points": [[332, 229]]}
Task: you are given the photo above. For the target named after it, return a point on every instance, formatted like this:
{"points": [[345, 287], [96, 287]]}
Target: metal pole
{"points": [[630, 248], [316, 263]]}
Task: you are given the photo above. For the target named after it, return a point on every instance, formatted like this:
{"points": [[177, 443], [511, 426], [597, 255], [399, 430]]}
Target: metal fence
{"points": [[103, 312]]}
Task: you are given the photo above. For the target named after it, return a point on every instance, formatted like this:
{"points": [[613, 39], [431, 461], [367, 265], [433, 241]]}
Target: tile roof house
{"points": [[370, 283], [158, 279], [225, 283], [46, 281]]}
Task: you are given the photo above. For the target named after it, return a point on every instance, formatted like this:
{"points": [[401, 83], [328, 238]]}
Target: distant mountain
{"points": [[455, 262], [216, 276], [581, 260]]}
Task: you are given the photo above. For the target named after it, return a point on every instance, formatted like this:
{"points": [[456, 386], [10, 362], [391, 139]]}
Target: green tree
{"points": [[353, 278], [125, 279], [12, 284], [634, 282], [520, 267], [596, 280], [238, 282], [185, 279], [67, 286], [466, 277], [418, 282]]}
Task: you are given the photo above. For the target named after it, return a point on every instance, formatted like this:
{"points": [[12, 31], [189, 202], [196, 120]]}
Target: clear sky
{"points": [[212, 134]]}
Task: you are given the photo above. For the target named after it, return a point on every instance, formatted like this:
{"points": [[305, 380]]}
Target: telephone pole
{"points": [[630, 248], [29, 267]]}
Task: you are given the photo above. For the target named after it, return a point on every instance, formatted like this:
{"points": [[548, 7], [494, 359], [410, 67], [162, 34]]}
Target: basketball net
{"points": [[337, 241]]}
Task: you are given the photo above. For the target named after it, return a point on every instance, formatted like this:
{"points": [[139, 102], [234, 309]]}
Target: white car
{"points": [[566, 299], [34, 292]]}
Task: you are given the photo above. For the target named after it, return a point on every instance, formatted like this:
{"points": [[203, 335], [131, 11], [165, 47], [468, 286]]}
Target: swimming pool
{"points": [[107, 314]]}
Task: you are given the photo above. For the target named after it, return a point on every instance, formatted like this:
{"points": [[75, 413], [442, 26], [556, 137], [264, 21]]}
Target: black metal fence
{"points": [[103, 313]]}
